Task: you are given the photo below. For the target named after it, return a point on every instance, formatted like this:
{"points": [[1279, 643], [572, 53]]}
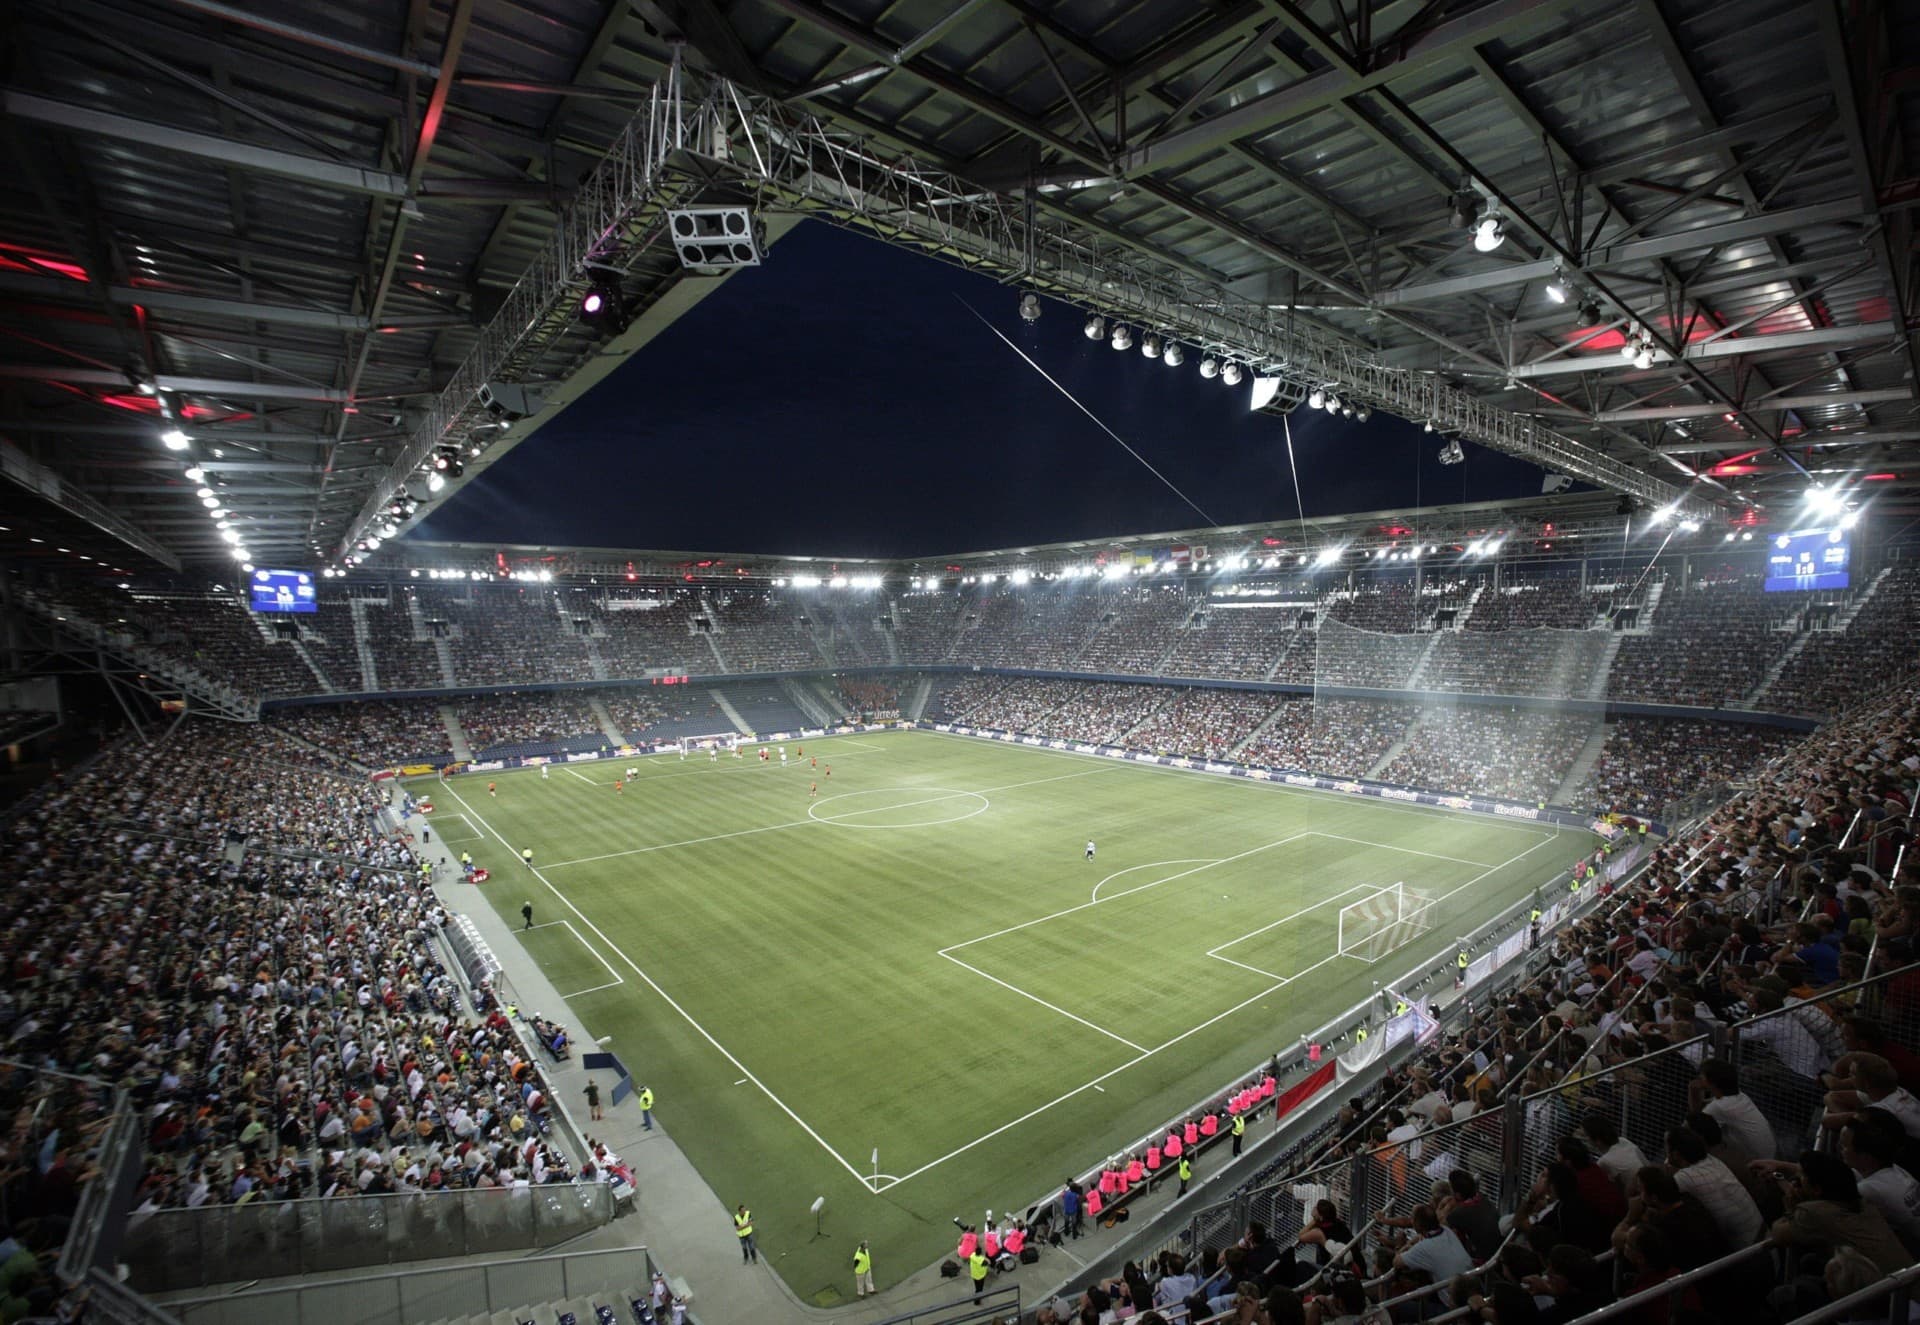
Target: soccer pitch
{"points": [[921, 961]]}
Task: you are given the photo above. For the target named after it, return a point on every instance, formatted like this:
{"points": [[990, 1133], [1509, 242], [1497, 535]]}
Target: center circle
{"points": [[910, 807]]}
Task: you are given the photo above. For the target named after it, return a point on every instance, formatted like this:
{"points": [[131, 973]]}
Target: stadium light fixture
{"points": [[175, 440], [1589, 311], [1643, 357], [1096, 327], [1021, 576], [436, 481], [1209, 367], [1173, 356], [195, 474], [204, 493], [1264, 390], [1364, 413], [1328, 555], [1333, 404], [1850, 519], [1557, 288], [1232, 374], [1489, 232], [1029, 307], [230, 535], [1150, 345], [1123, 337], [1317, 399], [1690, 526], [1116, 570]]}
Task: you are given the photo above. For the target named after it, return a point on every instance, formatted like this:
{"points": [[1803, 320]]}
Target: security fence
{"points": [[168, 1250]]}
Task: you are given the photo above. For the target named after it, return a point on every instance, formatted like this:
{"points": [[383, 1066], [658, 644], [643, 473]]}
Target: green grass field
{"points": [[921, 961]]}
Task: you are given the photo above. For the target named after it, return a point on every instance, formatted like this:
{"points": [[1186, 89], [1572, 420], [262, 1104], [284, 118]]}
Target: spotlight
{"points": [[1029, 307], [1630, 346], [1173, 356], [1333, 404], [1556, 291], [1123, 337], [1690, 526], [1363, 413], [174, 439], [1643, 357], [1096, 327], [1317, 399], [1232, 374], [195, 474], [436, 481], [204, 492], [1489, 232], [1427, 426], [1209, 367], [1150, 345], [1451, 454], [603, 307], [1589, 311]]}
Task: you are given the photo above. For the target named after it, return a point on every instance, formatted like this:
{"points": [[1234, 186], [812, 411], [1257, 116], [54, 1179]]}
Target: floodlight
{"points": [[1643, 358], [1850, 519], [1364, 413], [1333, 404], [1630, 346], [1173, 356], [436, 481], [1489, 232], [204, 492], [1264, 390], [1557, 289], [1096, 327], [1209, 367], [1029, 307], [1589, 310], [195, 474], [1232, 374], [175, 440], [1317, 399], [1690, 526], [1123, 337]]}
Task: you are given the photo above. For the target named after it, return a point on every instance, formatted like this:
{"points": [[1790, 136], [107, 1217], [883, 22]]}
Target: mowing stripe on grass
{"points": [[673, 1003]]}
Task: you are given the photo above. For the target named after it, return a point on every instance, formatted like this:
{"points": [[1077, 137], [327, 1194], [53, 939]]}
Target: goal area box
{"points": [[1392, 917]]}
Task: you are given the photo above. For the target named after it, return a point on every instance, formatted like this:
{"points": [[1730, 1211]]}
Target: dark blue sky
{"points": [[841, 399]]}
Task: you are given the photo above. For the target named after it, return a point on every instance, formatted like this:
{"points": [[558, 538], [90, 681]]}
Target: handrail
{"points": [[1675, 1286], [307, 1281], [1899, 1283]]}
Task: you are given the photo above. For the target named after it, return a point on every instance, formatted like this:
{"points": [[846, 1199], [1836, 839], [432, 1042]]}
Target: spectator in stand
{"points": [[1726, 1199]]}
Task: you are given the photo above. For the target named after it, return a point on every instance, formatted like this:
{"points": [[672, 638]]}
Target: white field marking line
{"points": [[1043, 1003], [796, 823], [1417, 811], [471, 836], [1255, 933], [581, 993], [1406, 851], [618, 979], [582, 776], [1095, 1084], [1190, 860], [674, 1004], [1128, 892]]}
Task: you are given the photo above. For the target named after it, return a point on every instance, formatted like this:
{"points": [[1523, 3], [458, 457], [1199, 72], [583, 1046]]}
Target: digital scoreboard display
{"points": [[1807, 559], [282, 591]]}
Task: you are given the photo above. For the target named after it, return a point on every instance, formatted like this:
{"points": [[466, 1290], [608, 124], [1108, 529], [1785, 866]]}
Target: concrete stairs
{"points": [[829, 697], [363, 644], [313, 665], [1582, 765], [822, 637], [1597, 688], [1394, 751], [595, 661], [719, 663], [726, 707], [1418, 675], [1655, 592], [456, 735], [1466, 613], [444, 652], [607, 725], [1865, 596], [914, 702], [893, 644], [1256, 733], [807, 701]]}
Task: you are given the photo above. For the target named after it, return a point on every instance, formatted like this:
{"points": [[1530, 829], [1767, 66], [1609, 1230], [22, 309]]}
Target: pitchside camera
{"points": [[722, 236]]}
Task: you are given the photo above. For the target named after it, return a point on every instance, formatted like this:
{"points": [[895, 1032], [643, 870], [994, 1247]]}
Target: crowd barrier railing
{"points": [[169, 1250]]}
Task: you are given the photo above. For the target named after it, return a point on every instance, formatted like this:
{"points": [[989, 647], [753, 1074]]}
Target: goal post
{"points": [[1391, 917]]}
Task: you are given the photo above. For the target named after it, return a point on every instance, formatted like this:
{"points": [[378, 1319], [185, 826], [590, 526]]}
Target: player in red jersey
{"points": [[620, 787], [489, 788]]}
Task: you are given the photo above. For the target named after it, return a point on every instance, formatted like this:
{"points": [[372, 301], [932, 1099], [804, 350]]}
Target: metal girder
{"points": [[19, 467], [313, 170], [307, 36], [1696, 240], [1729, 348], [174, 301], [798, 161], [1879, 395], [1869, 437], [192, 386], [1323, 89]]}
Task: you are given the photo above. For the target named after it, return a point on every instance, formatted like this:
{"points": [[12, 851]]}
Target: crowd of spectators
{"points": [[869, 695], [927, 624], [1142, 627], [1343, 737], [1039, 628], [506, 634], [1555, 604], [280, 1018], [405, 657], [375, 733], [758, 631], [1648, 764], [533, 718], [645, 632], [1710, 644], [1698, 1079], [852, 631], [1204, 724], [1878, 641], [1552, 663], [1482, 750], [1104, 712], [1238, 641]]}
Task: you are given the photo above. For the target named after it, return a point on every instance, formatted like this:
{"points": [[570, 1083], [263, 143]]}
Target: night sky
{"points": [[841, 399]]}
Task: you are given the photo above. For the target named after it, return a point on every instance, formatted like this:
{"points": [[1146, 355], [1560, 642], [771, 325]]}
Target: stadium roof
{"points": [[306, 234]]}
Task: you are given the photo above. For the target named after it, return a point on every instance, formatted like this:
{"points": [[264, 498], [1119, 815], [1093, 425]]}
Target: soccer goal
{"points": [[1391, 918]]}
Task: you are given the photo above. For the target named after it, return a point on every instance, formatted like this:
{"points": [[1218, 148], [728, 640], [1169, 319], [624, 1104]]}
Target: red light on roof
{"points": [[1880, 478]]}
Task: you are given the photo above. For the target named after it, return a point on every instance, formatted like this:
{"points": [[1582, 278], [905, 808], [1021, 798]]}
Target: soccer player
{"points": [[829, 770], [632, 773], [620, 787], [813, 791], [713, 754], [490, 789], [766, 755], [544, 770], [816, 761], [783, 756], [1089, 848]]}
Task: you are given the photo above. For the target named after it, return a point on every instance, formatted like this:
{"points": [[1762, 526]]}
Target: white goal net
{"points": [[1392, 917]]}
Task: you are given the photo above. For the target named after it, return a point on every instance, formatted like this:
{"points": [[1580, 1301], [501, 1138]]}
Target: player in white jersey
{"points": [[544, 768], [783, 756], [632, 772], [1089, 848]]}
